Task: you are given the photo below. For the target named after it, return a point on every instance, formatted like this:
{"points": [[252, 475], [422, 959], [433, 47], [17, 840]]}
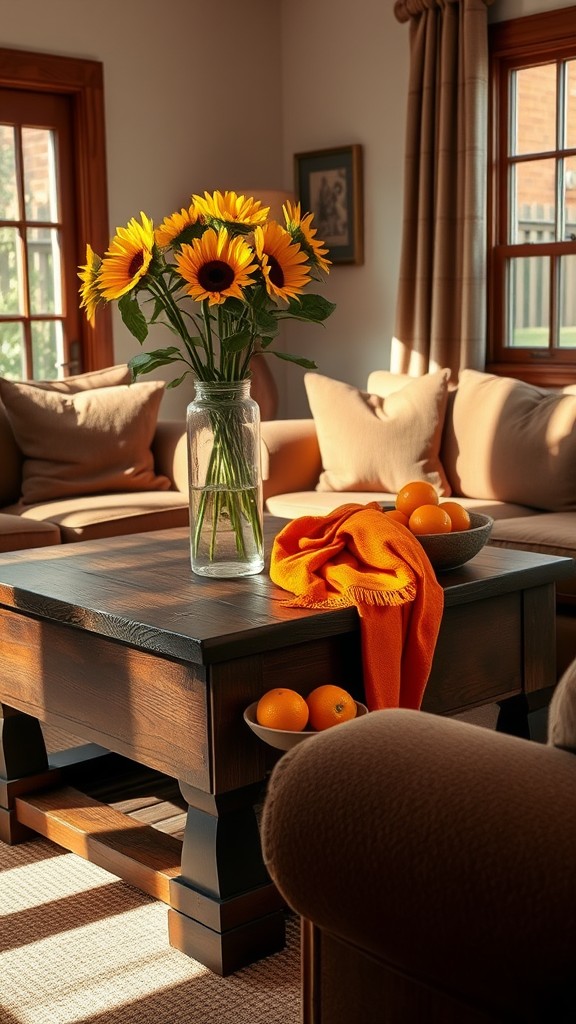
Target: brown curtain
{"points": [[441, 302]]}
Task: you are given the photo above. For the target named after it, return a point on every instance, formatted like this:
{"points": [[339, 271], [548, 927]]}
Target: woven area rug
{"points": [[79, 946]]}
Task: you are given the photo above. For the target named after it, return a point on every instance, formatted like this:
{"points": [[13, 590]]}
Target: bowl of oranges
{"points": [[283, 717], [448, 532]]}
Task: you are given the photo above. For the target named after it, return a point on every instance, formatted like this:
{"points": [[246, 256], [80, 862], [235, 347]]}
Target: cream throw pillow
{"points": [[512, 441], [87, 442], [373, 443]]}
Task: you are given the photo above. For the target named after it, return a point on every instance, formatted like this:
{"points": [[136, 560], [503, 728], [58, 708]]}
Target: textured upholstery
{"points": [[436, 861]]}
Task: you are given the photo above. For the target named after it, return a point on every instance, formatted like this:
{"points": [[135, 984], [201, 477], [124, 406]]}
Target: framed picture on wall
{"points": [[328, 183]]}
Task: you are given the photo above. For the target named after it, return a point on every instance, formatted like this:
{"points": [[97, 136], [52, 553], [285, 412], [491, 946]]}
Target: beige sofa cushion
{"points": [[374, 443], [10, 454], [511, 441], [17, 533], [105, 515], [88, 442]]}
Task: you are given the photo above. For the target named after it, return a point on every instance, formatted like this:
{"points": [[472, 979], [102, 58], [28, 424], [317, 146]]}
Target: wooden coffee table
{"points": [[116, 642]]}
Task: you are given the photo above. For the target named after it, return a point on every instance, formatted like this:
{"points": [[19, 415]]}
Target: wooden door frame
{"points": [[83, 82]]}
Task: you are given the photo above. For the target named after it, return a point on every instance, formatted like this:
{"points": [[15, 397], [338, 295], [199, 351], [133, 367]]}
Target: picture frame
{"points": [[328, 183]]}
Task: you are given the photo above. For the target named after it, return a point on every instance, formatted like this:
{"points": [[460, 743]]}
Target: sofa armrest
{"points": [[170, 452], [442, 849], [290, 456]]}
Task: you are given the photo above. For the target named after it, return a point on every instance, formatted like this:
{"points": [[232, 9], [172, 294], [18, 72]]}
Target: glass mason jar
{"points": [[225, 480]]}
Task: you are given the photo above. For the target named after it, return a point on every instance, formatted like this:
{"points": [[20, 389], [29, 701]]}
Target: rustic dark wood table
{"points": [[118, 643]]}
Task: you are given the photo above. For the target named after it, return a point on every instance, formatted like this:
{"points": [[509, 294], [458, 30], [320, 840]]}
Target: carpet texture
{"points": [[79, 946]]}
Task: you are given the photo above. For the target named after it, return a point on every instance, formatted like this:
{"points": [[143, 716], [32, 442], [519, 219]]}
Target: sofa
{"points": [[496, 444], [88, 457], [432, 863]]}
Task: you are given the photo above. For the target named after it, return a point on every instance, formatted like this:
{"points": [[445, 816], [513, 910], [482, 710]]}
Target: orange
{"points": [[429, 519], [397, 516], [414, 494], [459, 516], [282, 709], [329, 705]]}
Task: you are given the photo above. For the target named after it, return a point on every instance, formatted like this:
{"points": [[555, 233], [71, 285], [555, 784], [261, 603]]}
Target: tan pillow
{"points": [[88, 442], [109, 377], [370, 443], [512, 441], [10, 454]]}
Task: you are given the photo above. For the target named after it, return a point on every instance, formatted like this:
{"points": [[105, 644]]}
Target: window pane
{"points": [[12, 351], [570, 199], [571, 104], [40, 193], [46, 349], [529, 302], [567, 327], [534, 202], [8, 189], [535, 129], [44, 271], [11, 291]]}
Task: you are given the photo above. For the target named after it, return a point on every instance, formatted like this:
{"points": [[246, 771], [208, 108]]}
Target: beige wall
{"points": [[199, 96], [193, 101]]}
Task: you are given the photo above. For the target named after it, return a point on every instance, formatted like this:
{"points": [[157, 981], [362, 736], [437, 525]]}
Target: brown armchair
{"points": [[433, 864]]}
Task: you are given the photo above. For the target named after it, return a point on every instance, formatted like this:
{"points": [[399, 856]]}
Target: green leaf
{"points": [[148, 361], [234, 306], [237, 342], [309, 307], [266, 322], [308, 364], [178, 380], [133, 317]]}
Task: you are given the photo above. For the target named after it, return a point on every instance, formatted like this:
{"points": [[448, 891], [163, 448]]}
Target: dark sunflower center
{"points": [[136, 263], [276, 272], [216, 276]]}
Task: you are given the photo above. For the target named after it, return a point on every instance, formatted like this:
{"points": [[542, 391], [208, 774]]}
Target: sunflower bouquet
{"points": [[221, 276]]}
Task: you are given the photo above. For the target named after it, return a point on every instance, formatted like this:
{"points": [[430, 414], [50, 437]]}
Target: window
{"points": [[532, 249], [52, 202]]}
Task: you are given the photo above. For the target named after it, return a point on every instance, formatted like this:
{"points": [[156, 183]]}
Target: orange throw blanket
{"points": [[357, 555]]}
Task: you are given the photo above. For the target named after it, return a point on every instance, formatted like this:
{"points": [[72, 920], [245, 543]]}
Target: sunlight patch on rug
{"points": [[77, 946]]}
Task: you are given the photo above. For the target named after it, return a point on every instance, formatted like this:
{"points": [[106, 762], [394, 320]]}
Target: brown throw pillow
{"points": [[87, 442], [373, 443], [512, 441]]}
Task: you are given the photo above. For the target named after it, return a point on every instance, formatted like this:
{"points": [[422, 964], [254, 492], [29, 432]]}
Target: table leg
{"points": [[525, 715], [23, 768], [224, 909]]}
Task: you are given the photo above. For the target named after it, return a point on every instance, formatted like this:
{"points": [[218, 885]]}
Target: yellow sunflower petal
{"points": [[231, 208], [174, 225], [301, 230], [216, 266], [89, 293], [127, 259], [281, 261]]}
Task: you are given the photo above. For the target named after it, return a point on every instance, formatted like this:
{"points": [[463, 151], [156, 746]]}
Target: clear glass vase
{"points": [[225, 480]]}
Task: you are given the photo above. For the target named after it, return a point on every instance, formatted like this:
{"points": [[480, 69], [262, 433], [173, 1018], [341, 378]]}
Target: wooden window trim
{"points": [[510, 42], [83, 82]]}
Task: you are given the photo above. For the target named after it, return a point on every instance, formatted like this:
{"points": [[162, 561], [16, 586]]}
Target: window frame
{"points": [[521, 42], [83, 82]]}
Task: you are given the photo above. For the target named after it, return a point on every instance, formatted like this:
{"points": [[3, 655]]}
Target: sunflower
{"points": [[89, 293], [281, 261], [231, 208], [127, 260], [175, 229], [216, 266], [301, 230]]}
